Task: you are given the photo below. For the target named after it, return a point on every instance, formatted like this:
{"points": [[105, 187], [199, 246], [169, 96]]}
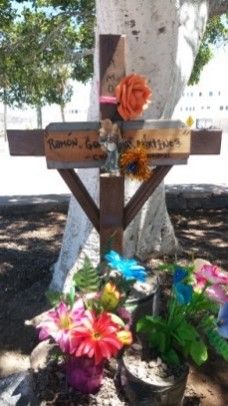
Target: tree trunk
{"points": [[163, 38], [62, 113], [5, 116], [39, 116]]}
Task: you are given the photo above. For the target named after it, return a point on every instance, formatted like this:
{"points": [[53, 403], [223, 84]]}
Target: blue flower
{"points": [[183, 293], [182, 290], [222, 321], [179, 274], [129, 268]]}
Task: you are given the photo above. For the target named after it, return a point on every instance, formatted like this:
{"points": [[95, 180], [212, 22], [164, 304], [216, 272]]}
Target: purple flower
{"points": [[222, 321]]}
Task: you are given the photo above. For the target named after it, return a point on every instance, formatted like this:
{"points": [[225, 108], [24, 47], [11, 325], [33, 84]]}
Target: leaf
{"points": [[70, 297], [162, 342], [146, 323], [166, 267], [218, 343], [86, 279], [198, 352], [54, 297], [186, 332], [171, 357]]}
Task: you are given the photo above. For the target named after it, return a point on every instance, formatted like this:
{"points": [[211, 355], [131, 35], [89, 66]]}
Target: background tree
{"points": [[216, 34], [40, 50], [163, 39]]}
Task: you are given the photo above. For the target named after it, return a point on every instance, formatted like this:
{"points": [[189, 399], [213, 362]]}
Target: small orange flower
{"points": [[133, 96], [125, 337], [135, 163]]}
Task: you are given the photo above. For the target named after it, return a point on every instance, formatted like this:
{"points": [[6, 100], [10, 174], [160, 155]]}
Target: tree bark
{"points": [[162, 42], [39, 116], [62, 113], [5, 116]]}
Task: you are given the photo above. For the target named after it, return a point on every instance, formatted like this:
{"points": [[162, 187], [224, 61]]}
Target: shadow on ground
{"points": [[203, 233], [29, 245]]}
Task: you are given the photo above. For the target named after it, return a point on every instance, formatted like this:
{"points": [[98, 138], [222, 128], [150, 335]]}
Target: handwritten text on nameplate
{"points": [[73, 146], [115, 71], [161, 141]]}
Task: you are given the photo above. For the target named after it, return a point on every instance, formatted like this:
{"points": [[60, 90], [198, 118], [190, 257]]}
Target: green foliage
{"points": [[86, 279], [216, 34], [174, 338], [188, 327], [70, 297], [39, 46], [220, 345], [201, 303]]}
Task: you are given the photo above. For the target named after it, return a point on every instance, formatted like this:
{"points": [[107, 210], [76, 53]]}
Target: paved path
{"points": [[27, 178]]}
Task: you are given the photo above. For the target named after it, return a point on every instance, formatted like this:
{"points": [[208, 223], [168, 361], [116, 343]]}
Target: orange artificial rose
{"points": [[133, 96]]}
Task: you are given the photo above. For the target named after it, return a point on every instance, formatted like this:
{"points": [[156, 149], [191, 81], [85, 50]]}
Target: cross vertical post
{"points": [[112, 69]]}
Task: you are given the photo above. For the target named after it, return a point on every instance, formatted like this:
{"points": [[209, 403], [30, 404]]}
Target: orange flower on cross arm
{"points": [[135, 163], [133, 96]]}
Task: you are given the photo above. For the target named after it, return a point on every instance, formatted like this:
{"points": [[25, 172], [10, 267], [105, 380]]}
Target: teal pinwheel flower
{"points": [[129, 268], [183, 290]]}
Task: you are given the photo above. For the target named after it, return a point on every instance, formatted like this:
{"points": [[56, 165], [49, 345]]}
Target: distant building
{"points": [[208, 100], [201, 102]]}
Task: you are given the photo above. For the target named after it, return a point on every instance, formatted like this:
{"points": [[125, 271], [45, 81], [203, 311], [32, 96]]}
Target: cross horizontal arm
{"points": [[143, 193], [31, 142], [82, 196]]}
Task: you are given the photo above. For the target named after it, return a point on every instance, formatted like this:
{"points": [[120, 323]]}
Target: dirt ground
{"points": [[29, 245]]}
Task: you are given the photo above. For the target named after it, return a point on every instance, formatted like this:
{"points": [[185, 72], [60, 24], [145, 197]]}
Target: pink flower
{"points": [[210, 274], [213, 278], [96, 338], [218, 293], [60, 322]]}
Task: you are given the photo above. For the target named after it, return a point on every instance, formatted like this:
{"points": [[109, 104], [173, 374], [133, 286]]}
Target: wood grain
{"points": [[112, 70], [111, 213], [31, 143]]}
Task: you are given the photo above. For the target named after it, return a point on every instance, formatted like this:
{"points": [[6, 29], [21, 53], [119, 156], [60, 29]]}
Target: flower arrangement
{"points": [[191, 322], [90, 324]]}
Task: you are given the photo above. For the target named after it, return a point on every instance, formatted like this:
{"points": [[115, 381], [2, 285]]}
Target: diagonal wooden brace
{"points": [[81, 195], [143, 193]]}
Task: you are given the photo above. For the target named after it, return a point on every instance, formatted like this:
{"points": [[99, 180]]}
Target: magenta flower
{"points": [[60, 322]]}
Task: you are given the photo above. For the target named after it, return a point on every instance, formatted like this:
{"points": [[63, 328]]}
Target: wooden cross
{"points": [[76, 145]]}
